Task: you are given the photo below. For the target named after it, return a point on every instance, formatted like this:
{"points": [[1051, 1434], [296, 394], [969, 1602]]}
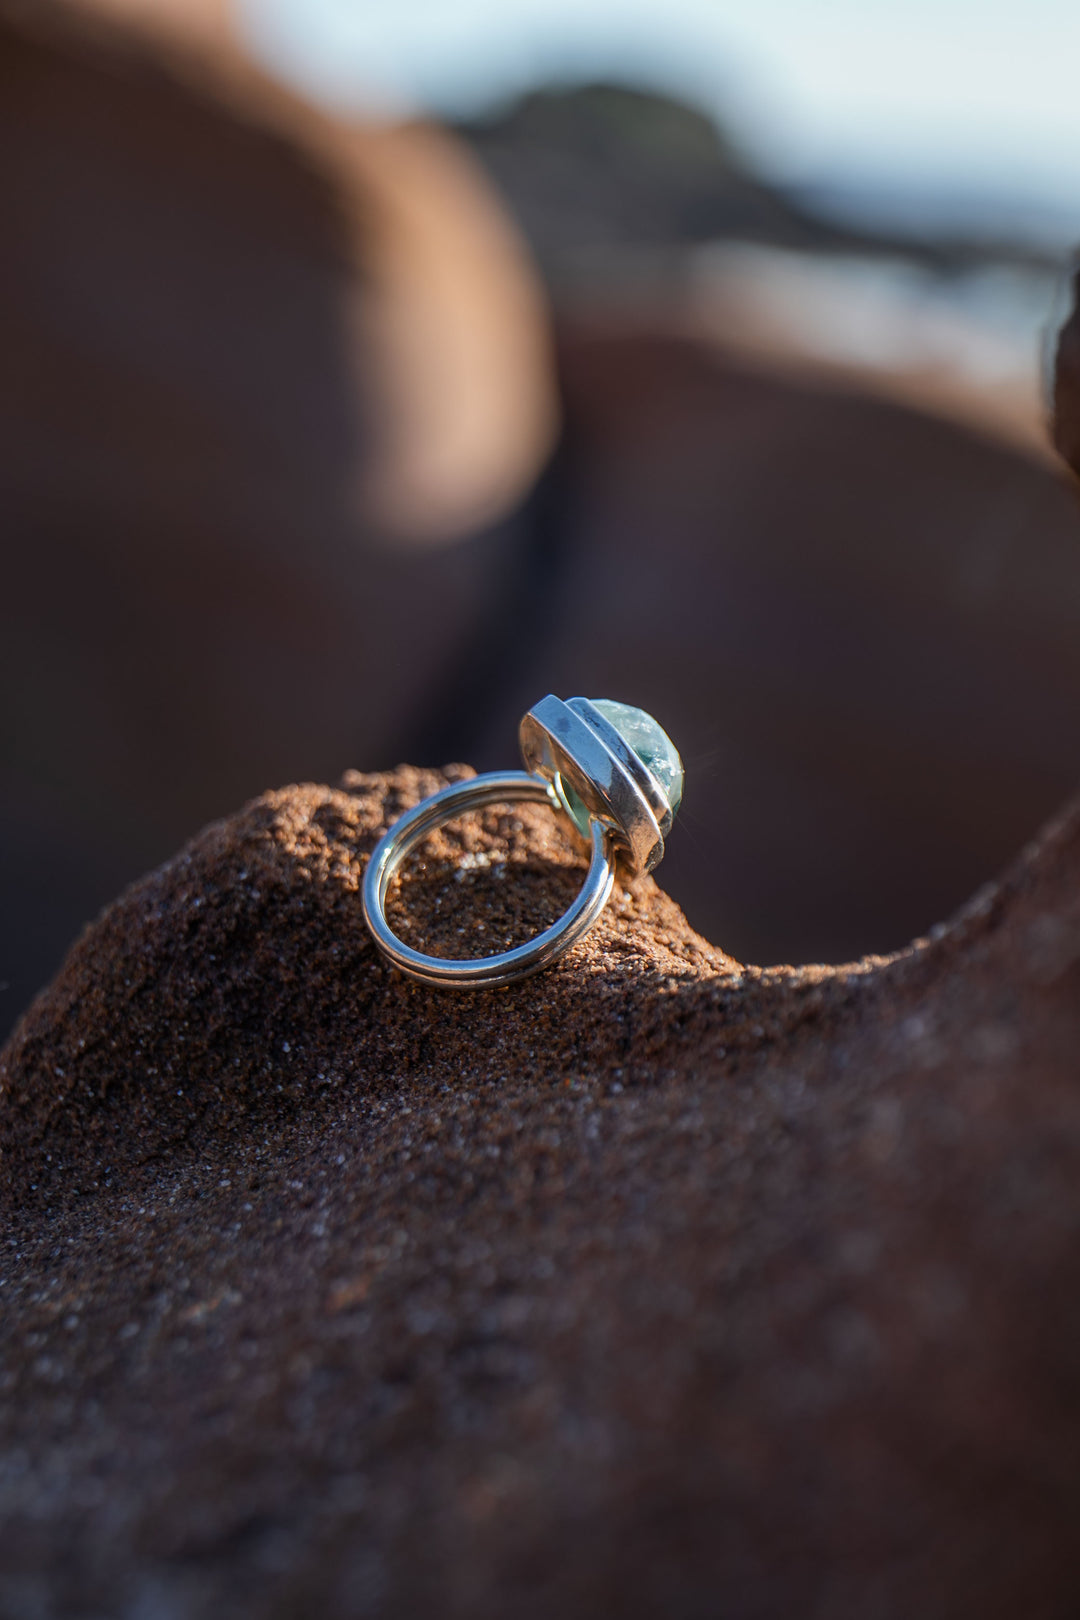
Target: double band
{"points": [[475, 973], [615, 774]]}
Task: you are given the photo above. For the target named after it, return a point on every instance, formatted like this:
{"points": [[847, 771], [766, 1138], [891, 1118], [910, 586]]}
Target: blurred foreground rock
{"points": [[654, 1285]]}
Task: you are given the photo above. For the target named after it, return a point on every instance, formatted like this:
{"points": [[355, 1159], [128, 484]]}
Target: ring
{"points": [[608, 767]]}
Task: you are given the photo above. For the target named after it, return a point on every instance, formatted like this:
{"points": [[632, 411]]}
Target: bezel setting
{"points": [[571, 744]]}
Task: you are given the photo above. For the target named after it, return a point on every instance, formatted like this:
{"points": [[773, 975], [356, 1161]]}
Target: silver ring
{"points": [[613, 772]]}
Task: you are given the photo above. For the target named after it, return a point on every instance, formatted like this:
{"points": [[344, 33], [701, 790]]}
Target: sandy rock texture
{"points": [[655, 1284]]}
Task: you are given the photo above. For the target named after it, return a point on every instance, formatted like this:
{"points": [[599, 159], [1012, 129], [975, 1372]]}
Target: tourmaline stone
{"points": [[650, 743]]}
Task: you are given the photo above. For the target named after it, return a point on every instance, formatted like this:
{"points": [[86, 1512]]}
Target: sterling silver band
{"points": [[475, 973]]}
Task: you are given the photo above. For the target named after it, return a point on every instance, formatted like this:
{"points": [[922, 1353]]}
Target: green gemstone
{"points": [[650, 743], [576, 809]]}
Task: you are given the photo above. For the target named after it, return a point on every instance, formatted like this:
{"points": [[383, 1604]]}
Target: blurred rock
{"points": [[276, 399], [967, 347], [612, 183], [260, 368], [1067, 386], [861, 625], [200, 22], [592, 171]]}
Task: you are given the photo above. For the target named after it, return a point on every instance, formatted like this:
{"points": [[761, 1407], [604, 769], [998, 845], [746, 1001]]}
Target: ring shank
{"points": [[498, 787]]}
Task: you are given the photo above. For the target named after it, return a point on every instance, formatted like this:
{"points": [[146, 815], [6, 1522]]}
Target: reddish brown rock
{"points": [[860, 623], [239, 337], [261, 368], [654, 1284], [1067, 387]]}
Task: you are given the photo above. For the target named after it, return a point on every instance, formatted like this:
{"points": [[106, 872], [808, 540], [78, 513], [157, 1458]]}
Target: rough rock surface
{"points": [[652, 1285]]}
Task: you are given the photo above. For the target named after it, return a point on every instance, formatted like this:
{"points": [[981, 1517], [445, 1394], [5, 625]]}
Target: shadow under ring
{"points": [[497, 787]]}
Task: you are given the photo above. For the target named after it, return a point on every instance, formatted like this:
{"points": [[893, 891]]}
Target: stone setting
{"points": [[650, 743], [609, 762]]}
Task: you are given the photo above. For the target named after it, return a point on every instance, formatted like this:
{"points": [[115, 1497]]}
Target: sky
{"points": [[959, 102]]}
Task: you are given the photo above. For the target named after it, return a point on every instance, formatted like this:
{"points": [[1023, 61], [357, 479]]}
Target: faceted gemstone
{"points": [[650, 743]]}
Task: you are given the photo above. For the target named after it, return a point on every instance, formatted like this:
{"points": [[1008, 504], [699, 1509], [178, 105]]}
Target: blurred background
{"points": [[369, 370]]}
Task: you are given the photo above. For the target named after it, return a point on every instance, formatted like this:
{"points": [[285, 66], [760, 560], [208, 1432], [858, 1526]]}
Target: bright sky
{"points": [[964, 96]]}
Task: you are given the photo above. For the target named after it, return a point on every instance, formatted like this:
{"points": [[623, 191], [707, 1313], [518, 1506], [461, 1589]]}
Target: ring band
{"points": [[613, 772], [477, 972]]}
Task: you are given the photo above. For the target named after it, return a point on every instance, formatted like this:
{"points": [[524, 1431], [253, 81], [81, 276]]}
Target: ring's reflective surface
{"points": [[611, 769]]}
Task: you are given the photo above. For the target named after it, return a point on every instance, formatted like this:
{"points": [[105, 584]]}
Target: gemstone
{"points": [[650, 743], [576, 808]]}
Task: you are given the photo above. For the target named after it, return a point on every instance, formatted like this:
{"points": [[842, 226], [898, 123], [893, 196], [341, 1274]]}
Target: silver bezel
{"points": [[573, 743]]}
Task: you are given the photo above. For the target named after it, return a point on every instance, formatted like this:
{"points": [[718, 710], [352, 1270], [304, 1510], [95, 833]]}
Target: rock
{"points": [[273, 387], [612, 183], [653, 1284], [859, 624], [1067, 386], [276, 395], [656, 1284]]}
